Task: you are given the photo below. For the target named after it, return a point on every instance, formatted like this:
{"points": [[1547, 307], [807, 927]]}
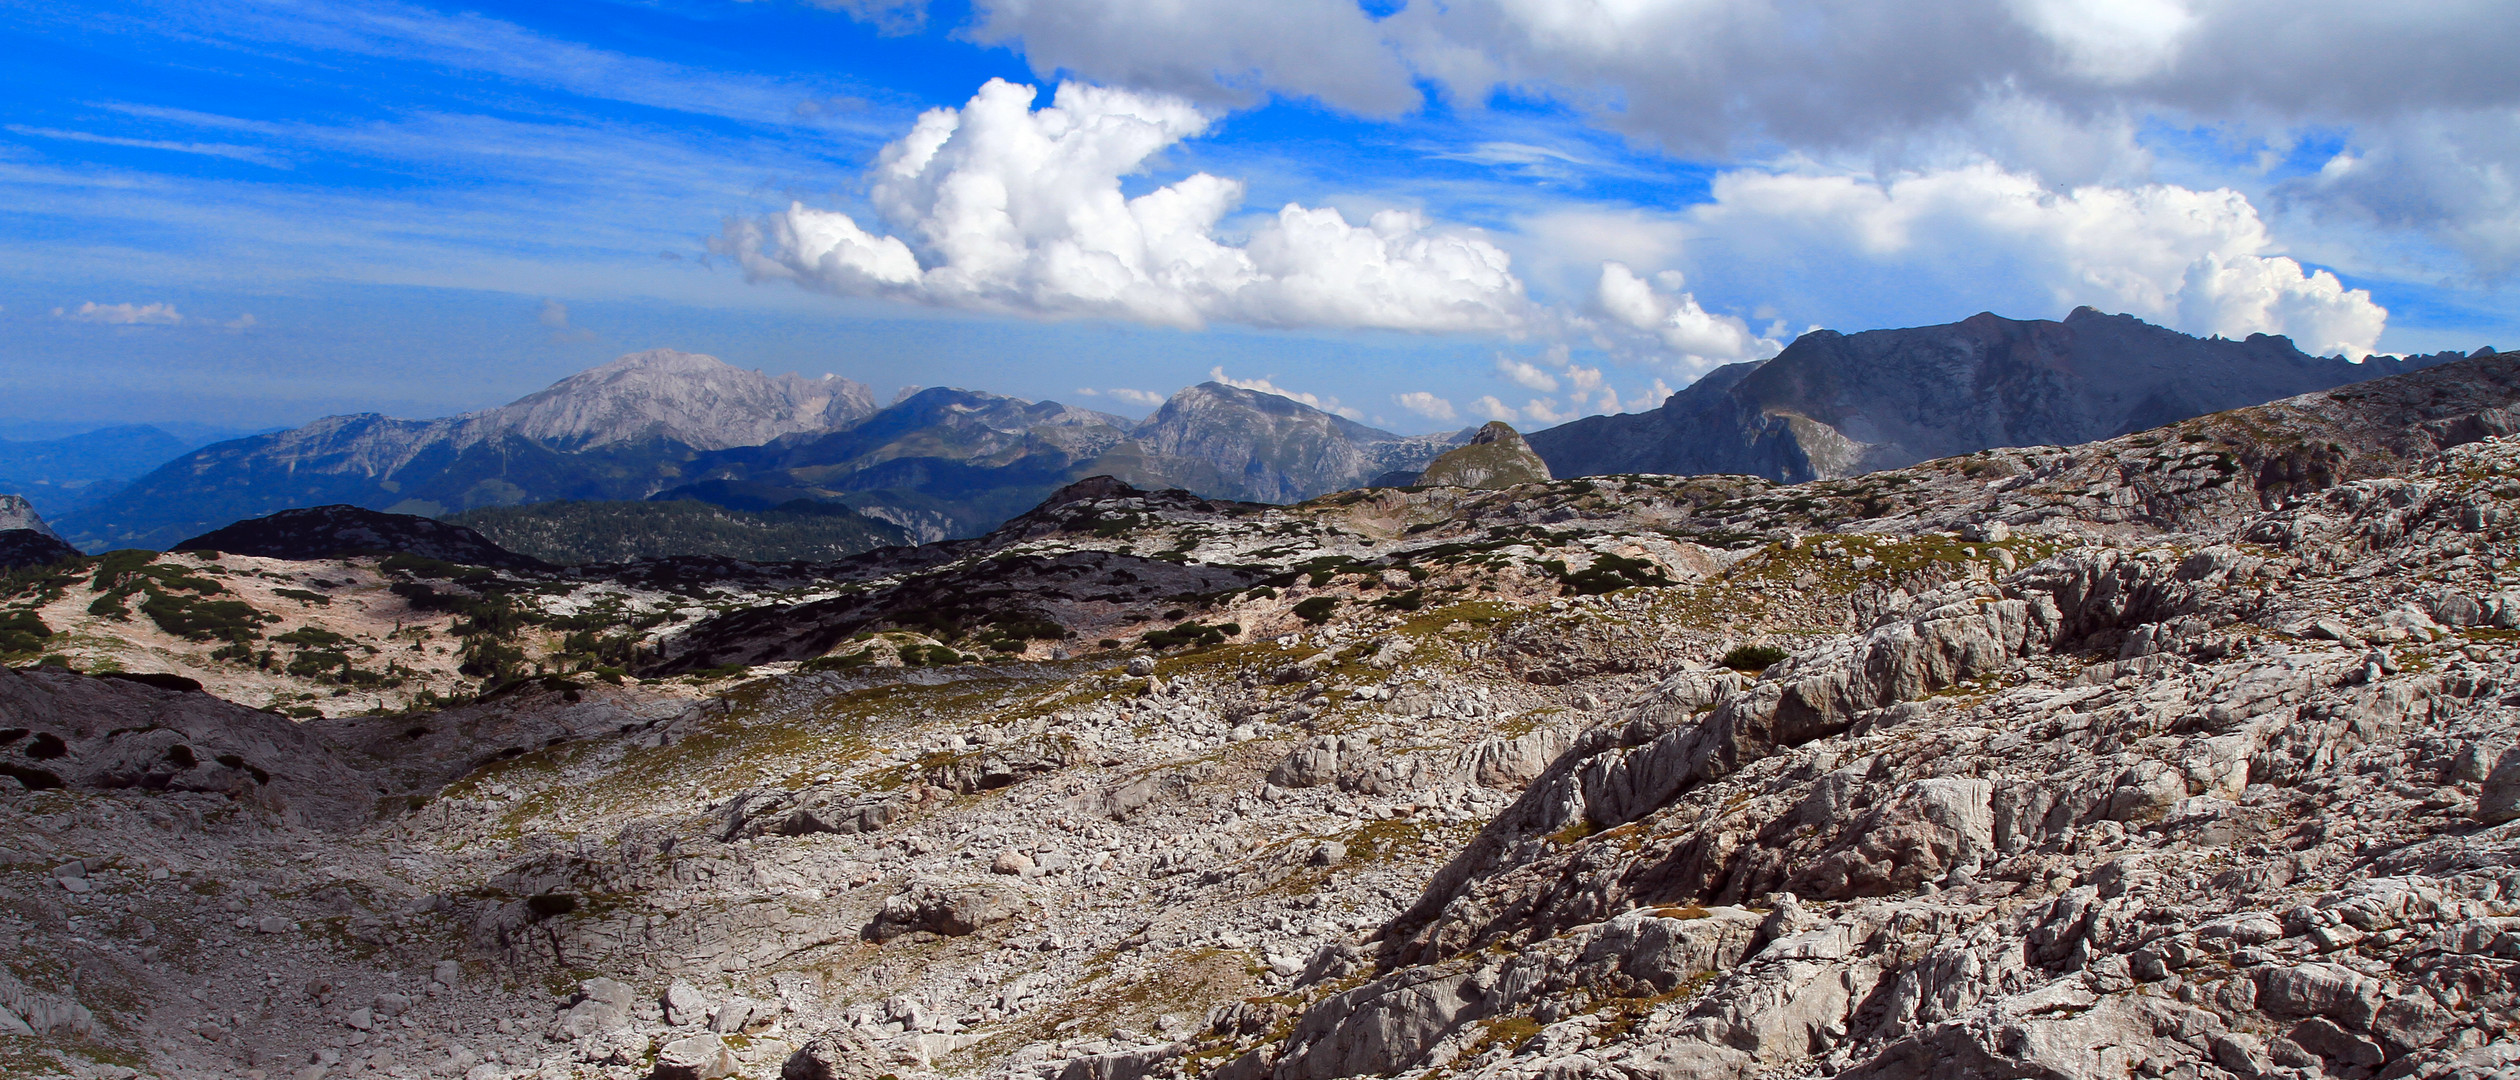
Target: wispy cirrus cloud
{"points": [[251, 154]]}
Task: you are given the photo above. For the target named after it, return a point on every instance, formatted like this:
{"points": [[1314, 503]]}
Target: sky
{"points": [[250, 213]]}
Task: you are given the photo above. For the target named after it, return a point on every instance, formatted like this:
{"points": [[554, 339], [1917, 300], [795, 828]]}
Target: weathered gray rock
{"points": [[684, 1005], [694, 1057], [838, 1054], [947, 911]]}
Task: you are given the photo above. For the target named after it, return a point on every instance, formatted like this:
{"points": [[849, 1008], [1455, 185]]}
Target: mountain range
{"points": [[621, 430], [60, 475], [939, 463], [1835, 405], [944, 463]]}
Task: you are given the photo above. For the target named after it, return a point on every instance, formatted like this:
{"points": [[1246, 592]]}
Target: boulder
{"points": [[695, 1057], [838, 1054], [684, 1006]]}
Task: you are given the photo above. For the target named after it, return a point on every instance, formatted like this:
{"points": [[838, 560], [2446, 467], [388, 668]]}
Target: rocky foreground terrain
{"points": [[2188, 753]]}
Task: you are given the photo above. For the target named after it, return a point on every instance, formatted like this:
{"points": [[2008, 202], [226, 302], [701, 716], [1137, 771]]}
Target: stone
{"points": [[1011, 862], [2323, 1037], [694, 1057], [1329, 853], [2321, 989], [603, 1005], [684, 1005], [839, 1054], [737, 1014], [1141, 666], [2498, 798], [949, 912], [447, 973]]}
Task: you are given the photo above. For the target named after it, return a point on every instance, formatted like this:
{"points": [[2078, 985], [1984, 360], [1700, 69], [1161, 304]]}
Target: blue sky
{"points": [[253, 213]]}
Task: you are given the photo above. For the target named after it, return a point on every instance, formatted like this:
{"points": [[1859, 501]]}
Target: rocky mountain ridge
{"points": [[619, 430], [2185, 753], [1834, 405]]}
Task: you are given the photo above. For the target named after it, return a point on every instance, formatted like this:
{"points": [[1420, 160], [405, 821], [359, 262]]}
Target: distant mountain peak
{"points": [[691, 398], [17, 513], [1835, 404]]}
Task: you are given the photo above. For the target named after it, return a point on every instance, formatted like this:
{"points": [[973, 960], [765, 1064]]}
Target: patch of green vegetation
{"points": [[1317, 610], [571, 533], [311, 637], [1608, 573], [22, 632], [1410, 600], [1505, 1031], [204, 620], [1752, 658], [303, 596], [1192, 632], [847, 662]]}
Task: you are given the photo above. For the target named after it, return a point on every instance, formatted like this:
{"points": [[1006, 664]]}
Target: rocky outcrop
{"points": [[64, 731], [27, 547], [1496, 457], [24, 538], [18, 514]]}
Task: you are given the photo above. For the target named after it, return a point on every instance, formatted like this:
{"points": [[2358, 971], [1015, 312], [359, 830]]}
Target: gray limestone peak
{"points": [[17, 513], [1835, 405], [1496, 457], [699, 401], [1269, 448]]}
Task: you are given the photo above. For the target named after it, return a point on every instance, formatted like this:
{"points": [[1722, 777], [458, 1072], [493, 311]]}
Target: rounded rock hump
{"points": [[334, 532], [1496, 457]]}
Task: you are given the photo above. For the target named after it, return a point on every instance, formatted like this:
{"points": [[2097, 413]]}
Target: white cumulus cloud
{"points": [[1426, 404], [1526, 374], [2061, 88], [1673, 316], [998, 206], [2199, 261], [122, 314]]}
